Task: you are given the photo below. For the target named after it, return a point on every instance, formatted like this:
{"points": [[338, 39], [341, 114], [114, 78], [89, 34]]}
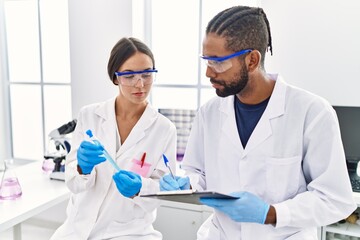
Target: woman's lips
{"points": [[139, 94]]}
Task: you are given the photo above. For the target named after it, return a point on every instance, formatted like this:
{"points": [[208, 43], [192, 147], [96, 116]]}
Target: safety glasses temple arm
{"points": [[220, 59]]}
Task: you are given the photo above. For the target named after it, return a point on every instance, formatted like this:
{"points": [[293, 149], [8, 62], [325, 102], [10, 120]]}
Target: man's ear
{"points": [[253, 60]]}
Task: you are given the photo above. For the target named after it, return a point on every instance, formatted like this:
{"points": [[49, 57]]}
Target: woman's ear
{"points": [[253, 60], [116, 81]]}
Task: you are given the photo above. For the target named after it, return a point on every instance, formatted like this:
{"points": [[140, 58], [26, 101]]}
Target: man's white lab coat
{"points": [[96, 209], [294, 160]]}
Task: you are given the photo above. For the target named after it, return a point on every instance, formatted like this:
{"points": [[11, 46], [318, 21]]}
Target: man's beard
{"points": [[234, 87]]}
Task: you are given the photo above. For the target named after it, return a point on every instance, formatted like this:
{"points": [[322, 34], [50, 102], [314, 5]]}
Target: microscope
{"points": [[58, 147]]}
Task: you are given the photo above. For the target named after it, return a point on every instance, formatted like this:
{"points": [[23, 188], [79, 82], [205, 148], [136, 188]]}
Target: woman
{"points": [[104, 203]]}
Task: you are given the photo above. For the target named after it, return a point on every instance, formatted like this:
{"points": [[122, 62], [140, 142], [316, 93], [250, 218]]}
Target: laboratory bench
{"points": [[39, 194]]}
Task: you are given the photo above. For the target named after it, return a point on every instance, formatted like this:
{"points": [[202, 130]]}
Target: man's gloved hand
{"points": [[128, 183], [89, 155], [167, 183], [248, 208]]}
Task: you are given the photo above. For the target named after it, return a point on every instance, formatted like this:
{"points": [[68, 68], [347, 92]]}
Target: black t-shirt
{"points": [[247, 116]]}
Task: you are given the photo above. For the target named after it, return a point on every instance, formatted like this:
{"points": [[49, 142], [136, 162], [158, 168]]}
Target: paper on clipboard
{"points": [[187, 196]]}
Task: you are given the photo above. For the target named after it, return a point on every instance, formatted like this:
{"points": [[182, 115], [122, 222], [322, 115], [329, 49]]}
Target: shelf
{"points": [[344, 228], [356, 196]]}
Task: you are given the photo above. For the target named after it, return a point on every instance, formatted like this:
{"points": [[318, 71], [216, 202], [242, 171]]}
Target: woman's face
{"points": [[136, 87]]}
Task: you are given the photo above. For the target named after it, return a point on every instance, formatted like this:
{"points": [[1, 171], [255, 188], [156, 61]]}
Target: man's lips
{"points": [[216, 84]]}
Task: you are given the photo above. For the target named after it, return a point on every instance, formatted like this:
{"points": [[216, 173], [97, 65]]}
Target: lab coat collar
{"points": [[107, 112], [262, 131], [274, 109]]}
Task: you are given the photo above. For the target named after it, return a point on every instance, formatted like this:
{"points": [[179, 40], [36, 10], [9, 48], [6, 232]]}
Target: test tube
{"points": [[106, 154]]}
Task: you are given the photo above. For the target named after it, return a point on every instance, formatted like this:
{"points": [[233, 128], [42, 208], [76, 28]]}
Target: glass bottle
{"points": [[10, 188]]}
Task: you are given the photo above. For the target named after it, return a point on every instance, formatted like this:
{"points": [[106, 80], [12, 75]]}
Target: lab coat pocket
{"points": [[282, 177], [141, 168]]}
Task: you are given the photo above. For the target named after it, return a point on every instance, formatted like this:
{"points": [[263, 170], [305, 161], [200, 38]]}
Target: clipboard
{"points": [[187, 196]]}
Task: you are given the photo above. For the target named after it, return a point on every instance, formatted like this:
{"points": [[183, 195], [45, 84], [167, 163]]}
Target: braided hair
{"points": [[243, 27]]}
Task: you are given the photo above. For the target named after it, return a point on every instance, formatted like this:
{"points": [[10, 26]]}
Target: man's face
{"points": [[231, 81], [231, 87]]}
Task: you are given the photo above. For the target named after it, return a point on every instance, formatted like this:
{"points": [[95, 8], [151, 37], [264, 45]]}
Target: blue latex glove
{"points": [[167, 183], [248, 208], [128, 183], [89, 155]]}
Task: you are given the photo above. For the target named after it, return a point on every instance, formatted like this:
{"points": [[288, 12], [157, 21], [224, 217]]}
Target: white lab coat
{"points": [[294, 160], [96, 209]]}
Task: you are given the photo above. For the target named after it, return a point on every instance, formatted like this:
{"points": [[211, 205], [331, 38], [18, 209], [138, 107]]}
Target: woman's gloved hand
{"points": [[167, 183], [89, 155], [247, 208], [128, 183]]}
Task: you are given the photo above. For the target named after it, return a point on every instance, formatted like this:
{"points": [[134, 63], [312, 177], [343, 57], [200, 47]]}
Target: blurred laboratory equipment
{"points": [[10, 188], [57, 149]]}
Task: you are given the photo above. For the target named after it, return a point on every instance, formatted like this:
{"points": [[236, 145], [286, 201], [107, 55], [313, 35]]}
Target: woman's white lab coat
{"points": [[294, 160], [96, 209]]}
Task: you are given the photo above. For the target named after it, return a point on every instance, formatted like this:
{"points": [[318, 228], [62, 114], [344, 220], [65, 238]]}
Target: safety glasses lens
{"points": [[218, 67], [132, 79]]}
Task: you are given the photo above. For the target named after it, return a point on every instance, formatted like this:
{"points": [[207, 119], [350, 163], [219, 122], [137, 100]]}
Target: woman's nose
{"points": [[140, 83]]}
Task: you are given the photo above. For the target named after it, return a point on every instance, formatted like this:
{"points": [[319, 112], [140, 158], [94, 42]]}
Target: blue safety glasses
{"points": [[130, 78], [220, 64]]}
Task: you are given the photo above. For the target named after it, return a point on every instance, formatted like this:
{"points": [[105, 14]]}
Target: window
{"points": [[37, 76], [175, 36]]}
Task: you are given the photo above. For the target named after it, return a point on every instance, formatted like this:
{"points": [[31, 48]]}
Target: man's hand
{"points": [[247, 208]]}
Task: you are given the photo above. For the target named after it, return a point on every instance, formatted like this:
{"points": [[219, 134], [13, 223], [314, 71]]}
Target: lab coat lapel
{"points": [[274, 109], [229, 127], [139, 130], [108, 128]]}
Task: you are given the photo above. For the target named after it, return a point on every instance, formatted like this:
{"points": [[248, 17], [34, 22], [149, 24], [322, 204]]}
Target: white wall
{"points": [[95, 27], [316, 46], [4, 132], [2, 118]]}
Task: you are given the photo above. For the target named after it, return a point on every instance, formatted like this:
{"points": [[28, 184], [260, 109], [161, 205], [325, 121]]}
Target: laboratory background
{"points": [[53, 58]]}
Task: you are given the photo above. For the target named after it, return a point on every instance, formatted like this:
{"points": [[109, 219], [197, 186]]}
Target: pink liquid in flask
{"points": [[10, 189]]}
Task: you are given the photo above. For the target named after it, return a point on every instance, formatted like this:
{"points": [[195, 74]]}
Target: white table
{"points": [[39, 193]]}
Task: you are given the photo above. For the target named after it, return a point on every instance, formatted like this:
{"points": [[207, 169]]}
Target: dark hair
{"points": [[243, 27], [122, 51]]}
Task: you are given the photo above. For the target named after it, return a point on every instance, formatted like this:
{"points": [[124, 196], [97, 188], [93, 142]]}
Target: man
{"points": [[276, 147]]}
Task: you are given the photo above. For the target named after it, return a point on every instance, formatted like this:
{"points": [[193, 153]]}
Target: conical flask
{"points": [[10, 188]]}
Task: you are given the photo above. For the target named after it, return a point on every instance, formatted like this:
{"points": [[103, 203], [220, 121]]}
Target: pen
{"points": [[167, 165], [143, 159]]}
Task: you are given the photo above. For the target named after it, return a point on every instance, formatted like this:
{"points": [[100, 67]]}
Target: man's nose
{"points": [[210, 73]]}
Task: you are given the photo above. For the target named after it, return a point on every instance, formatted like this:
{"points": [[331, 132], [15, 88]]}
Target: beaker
{"points": [[10, 188], [48, 165]]}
